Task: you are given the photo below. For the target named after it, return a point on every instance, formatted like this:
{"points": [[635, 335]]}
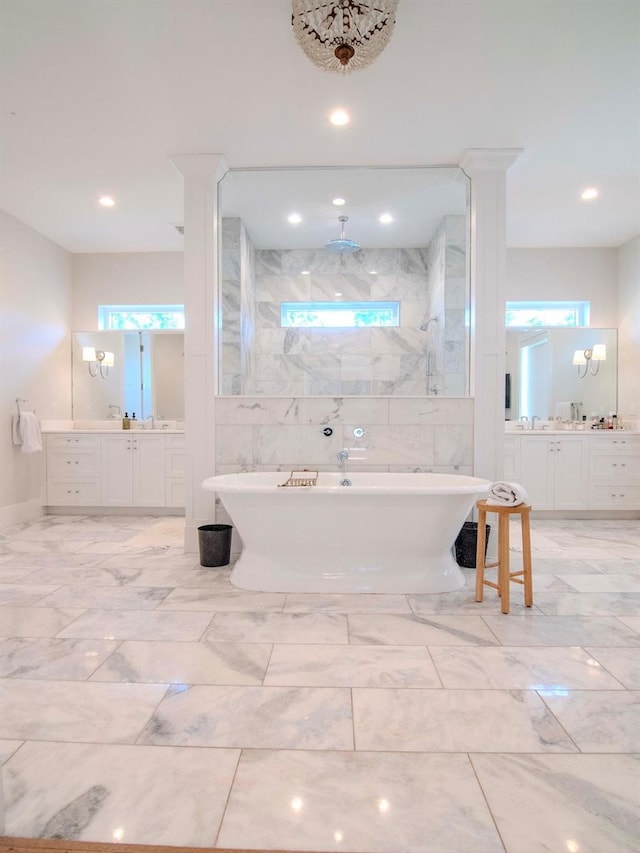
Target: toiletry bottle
{"points": [[126, 423], [134, 421]]}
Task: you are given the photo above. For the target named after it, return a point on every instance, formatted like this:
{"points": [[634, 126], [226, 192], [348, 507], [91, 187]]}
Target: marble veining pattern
{"points": [[178, 704]]}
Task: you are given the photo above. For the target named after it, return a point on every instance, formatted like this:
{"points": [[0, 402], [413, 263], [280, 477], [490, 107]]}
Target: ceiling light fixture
{"points": [[106, 201], [343, 35], [386, 218], [294, 218], [339, 118], [339, 202], [342, 244], [589, 194]]}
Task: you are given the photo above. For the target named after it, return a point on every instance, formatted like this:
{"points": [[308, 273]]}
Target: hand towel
{"points": [[502, 493], [29, 430]]}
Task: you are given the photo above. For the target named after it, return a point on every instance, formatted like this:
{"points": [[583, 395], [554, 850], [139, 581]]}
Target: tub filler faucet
{"points": [[342, 456]]}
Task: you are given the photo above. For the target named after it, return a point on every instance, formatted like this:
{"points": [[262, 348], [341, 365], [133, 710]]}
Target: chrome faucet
{"points": [[342, 456], [153, 421], [533, 421], [524, 420]]}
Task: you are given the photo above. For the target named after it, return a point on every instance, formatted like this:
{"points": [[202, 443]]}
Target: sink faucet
{"points": [[342, 456], [533, 421], [524, 420], [153, 421]]}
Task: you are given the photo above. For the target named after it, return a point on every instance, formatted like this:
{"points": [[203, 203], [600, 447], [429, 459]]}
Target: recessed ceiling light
{"points": [[339, 202], [373, 272], [305, 272], [386, 218], [337, 294], [294, 218], [589, 194], [106, 201], [339, 117]]}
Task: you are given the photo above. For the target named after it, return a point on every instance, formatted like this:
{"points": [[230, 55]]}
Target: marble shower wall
{"points": [[238, 303], [361, 361]]}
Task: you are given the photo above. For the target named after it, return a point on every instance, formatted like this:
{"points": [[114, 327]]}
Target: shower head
{"points": [[425, 326], [341, 244]]}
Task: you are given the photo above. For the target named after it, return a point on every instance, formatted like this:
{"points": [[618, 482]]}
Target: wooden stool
{"points": [[504, 575]]}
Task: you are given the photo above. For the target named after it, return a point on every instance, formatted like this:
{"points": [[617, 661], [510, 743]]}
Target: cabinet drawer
{"points": [[174, 442], [73, 463], [71, 440], [615, 466], [614, 497], [73, 492], [616, 443]]}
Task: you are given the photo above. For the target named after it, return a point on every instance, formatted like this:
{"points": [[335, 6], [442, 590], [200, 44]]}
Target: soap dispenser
{"points": [[126, 423]]}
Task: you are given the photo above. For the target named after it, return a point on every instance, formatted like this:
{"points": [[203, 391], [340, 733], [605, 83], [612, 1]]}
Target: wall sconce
{"points": [[590, 359], [100, 360]]}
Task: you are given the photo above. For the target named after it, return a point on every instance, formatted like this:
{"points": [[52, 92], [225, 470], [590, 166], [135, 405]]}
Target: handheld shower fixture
{"points": [[424, 326]]}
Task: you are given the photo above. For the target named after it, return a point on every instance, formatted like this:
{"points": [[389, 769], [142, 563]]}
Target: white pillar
{"points": [[487, 170], [201, 172]]}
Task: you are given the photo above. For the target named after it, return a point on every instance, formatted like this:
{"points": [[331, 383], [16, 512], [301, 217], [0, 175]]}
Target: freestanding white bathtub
{"points": [[383, 533]]}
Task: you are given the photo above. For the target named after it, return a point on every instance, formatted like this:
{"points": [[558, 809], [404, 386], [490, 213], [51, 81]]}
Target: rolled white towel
{"points": [[502, 493]]}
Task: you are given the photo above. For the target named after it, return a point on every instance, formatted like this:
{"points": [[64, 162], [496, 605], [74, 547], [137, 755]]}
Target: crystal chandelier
{"points": [[343, 35]]}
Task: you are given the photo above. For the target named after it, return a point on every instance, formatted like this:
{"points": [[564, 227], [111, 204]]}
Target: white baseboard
{"points": [[17, 513]]}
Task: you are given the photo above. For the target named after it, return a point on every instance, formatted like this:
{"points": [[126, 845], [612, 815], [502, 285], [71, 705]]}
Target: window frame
{"points": [[327, 307], [106, 311]]}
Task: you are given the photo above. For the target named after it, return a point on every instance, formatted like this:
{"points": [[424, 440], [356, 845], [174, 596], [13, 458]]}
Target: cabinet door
{"points": [[148, 470], [117, 470], [537, 456], [571, 470]]}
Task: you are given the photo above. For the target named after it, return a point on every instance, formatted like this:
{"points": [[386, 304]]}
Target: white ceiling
{"points": [[98, 94]]}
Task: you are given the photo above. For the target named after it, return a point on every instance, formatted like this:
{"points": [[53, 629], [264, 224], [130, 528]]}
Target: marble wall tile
{"points": [[273, 288], [234, 444], [257, 411], [431, 411], [354, 288], [453, 445], [339, 410], [295, 445], [395, 445], [268, 262]]}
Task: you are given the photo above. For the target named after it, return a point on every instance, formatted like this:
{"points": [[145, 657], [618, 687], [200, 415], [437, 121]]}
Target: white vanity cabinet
{"points": [[133, 470], [614, 471], [73, 470], [576, 470], [553, 470], [116, 468]]}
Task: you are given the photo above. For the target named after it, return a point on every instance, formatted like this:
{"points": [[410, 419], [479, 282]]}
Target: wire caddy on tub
{"points": [[298, 479]]}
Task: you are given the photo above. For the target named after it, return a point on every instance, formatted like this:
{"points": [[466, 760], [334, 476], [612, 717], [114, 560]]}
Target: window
{"points": [[316, 315], [141, 317], [547, 313]]}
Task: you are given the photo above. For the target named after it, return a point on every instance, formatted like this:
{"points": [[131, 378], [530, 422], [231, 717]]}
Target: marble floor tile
{"points": [[591, 604], [122, 794], [632, 622], [36, 622], [22, 594], [599, 721], [413, 630], [253, 717], [463, 601], [137, 625], [205, 662], [623, 664], [603, 583], [12, 575], [213, 600], [87, 576], [8, 748], [485, 721], [280, 628], [582, 803], [52, 561], [58, 660], [76, 711], [107, 598], [532, 629], [300, 602], [375, 802], [150, 561], [521, 668], [351, 666], [211, 579]]}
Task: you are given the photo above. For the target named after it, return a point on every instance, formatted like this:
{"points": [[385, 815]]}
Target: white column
{"points": [[201, 172], [487, 170]]}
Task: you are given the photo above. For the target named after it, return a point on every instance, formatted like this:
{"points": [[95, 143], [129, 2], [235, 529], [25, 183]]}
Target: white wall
{"points": [[629, 329], [566, 274], [35, 291], [124, 279]]}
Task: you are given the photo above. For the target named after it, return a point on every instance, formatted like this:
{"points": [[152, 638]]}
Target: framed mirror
{"points": [[549, 369], [146, 376], [343, 282]]}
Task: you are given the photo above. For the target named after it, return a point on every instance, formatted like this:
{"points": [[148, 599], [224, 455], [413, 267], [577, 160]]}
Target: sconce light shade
{"points": [[89, 354], [578, 357], [599, 352], [108, 359]]}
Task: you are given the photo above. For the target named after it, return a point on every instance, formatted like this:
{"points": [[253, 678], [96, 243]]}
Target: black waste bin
{"points": [[215, 544], [467, 544]]}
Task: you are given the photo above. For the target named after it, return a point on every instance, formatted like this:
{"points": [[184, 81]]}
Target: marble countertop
{"points": [[588, 431]]}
